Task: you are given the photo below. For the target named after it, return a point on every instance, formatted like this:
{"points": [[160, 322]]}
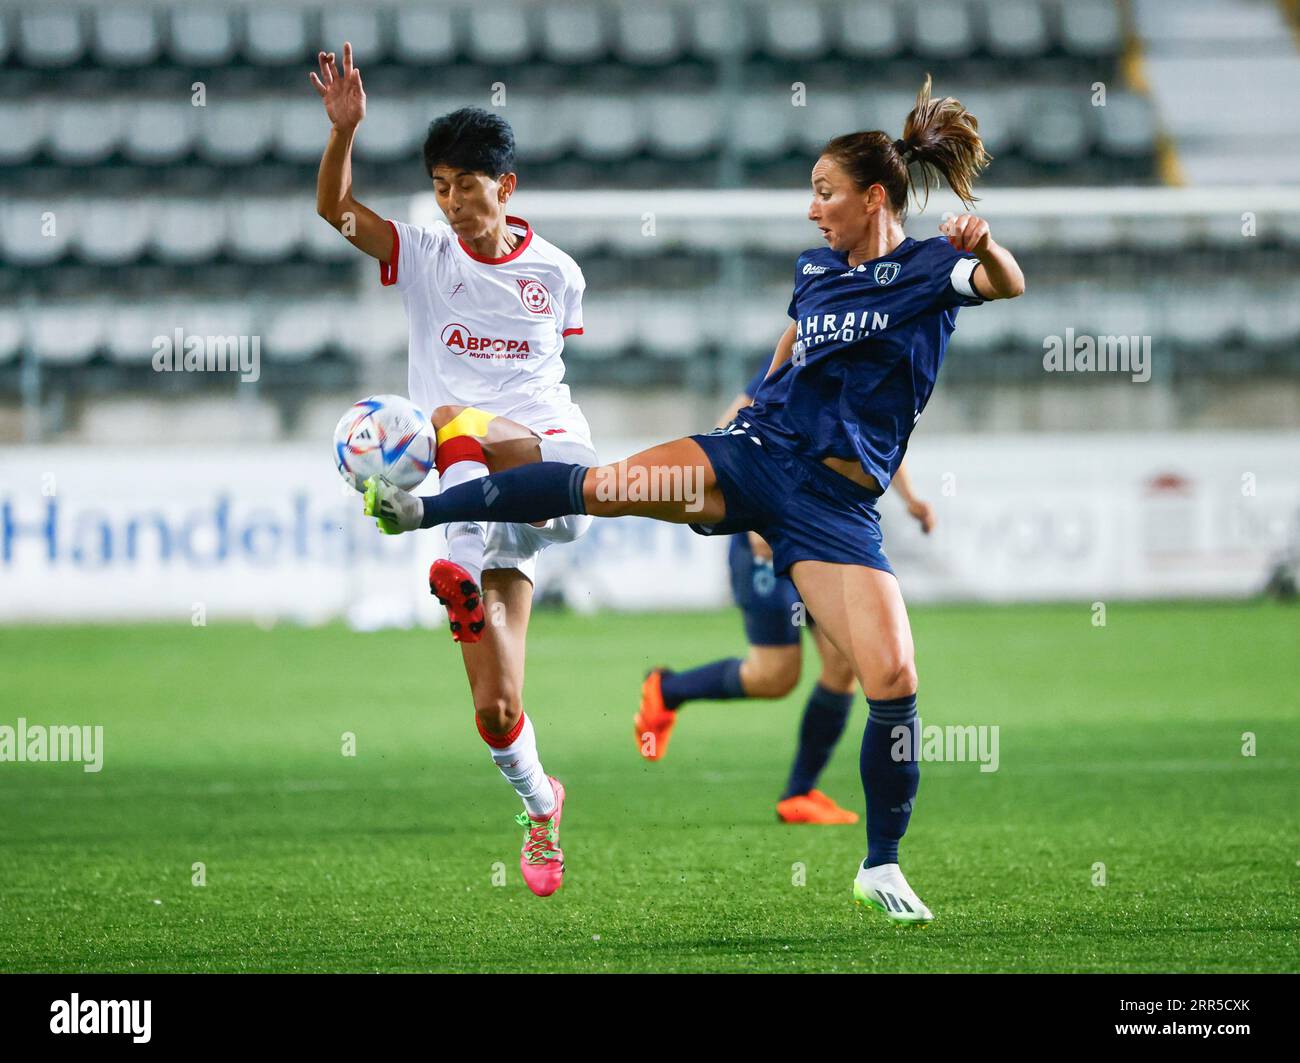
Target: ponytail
{"points": [[940, 143], [942, 139]]}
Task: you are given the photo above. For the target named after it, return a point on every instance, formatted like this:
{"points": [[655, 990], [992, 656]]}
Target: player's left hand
{"points": [[967, 232], [395, 511], [924, 514]]}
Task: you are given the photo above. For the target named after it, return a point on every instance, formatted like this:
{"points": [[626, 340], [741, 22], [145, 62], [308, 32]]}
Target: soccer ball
{"points": [[384, 435]]}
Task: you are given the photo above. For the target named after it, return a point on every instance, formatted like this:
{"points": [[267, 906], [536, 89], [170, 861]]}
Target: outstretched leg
{"points": [[671, 482]]}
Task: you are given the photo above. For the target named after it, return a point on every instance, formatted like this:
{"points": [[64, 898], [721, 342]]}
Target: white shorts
{"points": [[517, 545]]}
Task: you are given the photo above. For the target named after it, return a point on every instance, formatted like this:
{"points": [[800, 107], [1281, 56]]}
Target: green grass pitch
{"points": [[1119, 746]]}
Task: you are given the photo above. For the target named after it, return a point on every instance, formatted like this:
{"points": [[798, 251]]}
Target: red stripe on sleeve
{"points": [[571, 332]]}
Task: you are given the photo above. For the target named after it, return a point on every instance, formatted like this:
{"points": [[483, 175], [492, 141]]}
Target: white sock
{"points": [[522, 768], [465, 539]]}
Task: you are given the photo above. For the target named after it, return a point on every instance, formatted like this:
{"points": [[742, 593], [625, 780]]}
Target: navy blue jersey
{"points": [[868, 348]]}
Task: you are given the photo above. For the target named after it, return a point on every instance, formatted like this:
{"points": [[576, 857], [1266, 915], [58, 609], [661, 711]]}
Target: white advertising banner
{"points": [[273, 533]]}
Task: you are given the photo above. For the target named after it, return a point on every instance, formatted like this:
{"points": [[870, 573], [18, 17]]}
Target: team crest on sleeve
{"points": [[886, 272], [534, 295]]}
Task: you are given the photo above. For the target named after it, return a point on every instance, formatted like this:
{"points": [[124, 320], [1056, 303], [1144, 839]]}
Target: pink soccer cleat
{"points": [[542, 860]]}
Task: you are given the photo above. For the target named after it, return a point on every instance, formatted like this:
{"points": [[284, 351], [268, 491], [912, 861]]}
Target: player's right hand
{"points": [[343, 96], [395, 511], [758, 546]]}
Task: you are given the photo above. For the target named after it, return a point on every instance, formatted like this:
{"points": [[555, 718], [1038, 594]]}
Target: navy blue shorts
{"points": [[805, 511], [767, 601]]}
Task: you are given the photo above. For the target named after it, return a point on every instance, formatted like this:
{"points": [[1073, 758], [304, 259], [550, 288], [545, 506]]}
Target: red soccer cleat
{"points": [[813, 807], [461, 597], [654, 722]]}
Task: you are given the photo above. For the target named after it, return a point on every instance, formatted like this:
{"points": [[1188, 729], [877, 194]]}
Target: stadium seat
{"points": [[827, 114], [499, 34], [1196, 321], [51, 37], [574, 33], [159, 133], [363, 28], [1017, 29], [372, 331], [1056, 128], [870, 29], [68, 334], [1268, 314], [24, 131], [943, 29], [277, 36], [762, 321], [235, 132], [713, 33], [215, 318], [131, 329], [610, 326], [265, 230], [298, 331], [764, 125], [82, 134], [611, 128], [393, 130], [425, 36], [793, 30], [1000, 115], [1091, 28], [681, 126], [185, 231], [323, 243], [540, 130], [126, 37], [203, 38], [648, 34], [301, 129], [1126, 126], [36, 232], [113, 232], [668, 329]]}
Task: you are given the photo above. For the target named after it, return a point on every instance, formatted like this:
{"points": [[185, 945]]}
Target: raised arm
{"points": [[345, 103], [998, 275]]}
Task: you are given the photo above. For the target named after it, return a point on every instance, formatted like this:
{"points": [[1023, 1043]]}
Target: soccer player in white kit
{"points": [[489, 304]]}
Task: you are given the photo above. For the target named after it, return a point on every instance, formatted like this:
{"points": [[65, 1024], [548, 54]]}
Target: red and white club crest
{"points": [[535, 297]]}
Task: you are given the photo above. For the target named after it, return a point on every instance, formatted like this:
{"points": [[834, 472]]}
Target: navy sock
{"points": [[824, 718], [890, 784], [719, 681], [539, 491]]}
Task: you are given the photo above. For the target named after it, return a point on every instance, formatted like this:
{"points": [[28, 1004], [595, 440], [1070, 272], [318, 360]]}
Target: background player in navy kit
{"points": [[774, 619], [872, 314]]}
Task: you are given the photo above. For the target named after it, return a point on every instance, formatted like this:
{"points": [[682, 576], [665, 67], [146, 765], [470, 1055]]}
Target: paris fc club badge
{"points": [[886, 272], [535, 297]]}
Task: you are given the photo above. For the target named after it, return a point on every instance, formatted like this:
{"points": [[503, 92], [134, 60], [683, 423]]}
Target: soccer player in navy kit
{"points": [[774, 617], [872, 313]]}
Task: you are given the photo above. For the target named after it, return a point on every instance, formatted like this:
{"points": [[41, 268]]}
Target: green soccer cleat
{"points": [[395, 511]]}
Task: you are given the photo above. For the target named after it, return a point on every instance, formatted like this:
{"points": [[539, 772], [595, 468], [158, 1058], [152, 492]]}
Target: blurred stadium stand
{"points": [[129, 211]]}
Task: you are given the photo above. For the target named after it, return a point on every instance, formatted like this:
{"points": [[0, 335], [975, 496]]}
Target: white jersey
{"points": [[489, 332]]}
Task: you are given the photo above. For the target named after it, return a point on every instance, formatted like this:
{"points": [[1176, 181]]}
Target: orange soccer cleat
{"points": [[813, 807], [654, 722]]}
